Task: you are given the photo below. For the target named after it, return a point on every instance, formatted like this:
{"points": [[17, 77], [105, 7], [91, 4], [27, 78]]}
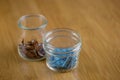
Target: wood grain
{"points": [[98, 22]]}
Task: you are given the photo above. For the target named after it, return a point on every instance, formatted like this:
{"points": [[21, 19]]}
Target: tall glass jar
{"points": [[62, 47], [30, 46]]}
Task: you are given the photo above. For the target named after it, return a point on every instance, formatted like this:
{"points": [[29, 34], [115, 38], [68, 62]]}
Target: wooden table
{"points": [[98, 22]]}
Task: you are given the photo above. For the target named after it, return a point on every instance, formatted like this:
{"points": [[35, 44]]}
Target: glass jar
{"points": [[30, 46], [62, 47]]}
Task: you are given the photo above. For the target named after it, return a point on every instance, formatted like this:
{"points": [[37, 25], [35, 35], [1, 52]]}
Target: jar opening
{"points": [[62, 39], [32, 22]]}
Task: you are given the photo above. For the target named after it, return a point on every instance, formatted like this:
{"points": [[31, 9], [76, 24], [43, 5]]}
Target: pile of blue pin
{"points": [[63, 60]]}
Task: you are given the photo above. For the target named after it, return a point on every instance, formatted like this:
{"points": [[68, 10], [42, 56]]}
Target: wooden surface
{"points": [[98, 22]]}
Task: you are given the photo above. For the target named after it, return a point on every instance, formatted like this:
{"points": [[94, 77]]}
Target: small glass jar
{"points": [[62, 47], [30, 46]]}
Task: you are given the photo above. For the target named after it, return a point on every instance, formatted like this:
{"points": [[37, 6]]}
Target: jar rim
{"points": [[79, 43], [43, 25]]}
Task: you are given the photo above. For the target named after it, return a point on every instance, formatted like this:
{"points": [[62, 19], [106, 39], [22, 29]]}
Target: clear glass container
{"points": [[62, 47], [30, 46]]}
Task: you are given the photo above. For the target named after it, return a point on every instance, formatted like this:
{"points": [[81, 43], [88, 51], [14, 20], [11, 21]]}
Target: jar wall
{"points": [[62, 62]]}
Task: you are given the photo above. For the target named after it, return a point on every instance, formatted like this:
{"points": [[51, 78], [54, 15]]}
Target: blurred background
{"points": [[97, 21]]}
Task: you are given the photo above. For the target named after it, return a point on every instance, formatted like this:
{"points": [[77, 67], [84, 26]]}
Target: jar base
{"points": [[25, 58], [60, 70]]}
